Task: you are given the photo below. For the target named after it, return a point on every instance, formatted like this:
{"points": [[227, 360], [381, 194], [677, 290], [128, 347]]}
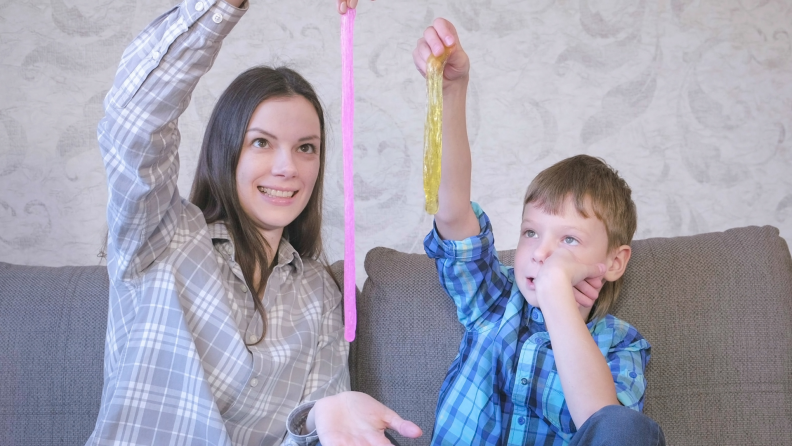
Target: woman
{"points": [[223, 327]]}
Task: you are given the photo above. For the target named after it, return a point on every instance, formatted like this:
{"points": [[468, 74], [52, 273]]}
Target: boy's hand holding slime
{"points": [[437, 48], [437, 39]]}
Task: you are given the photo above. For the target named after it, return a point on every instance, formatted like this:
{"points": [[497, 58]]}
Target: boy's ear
{"points": [[617, 265]]}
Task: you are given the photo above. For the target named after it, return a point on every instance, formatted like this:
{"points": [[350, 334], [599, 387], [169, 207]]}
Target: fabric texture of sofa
{"points": [[716, 307]]}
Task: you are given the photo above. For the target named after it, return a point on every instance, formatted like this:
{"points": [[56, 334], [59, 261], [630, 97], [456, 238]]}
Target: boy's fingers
{"points": [[433, 41], [587, 290], [446, 31], [583, 299], [420, 54], [597, 282]]}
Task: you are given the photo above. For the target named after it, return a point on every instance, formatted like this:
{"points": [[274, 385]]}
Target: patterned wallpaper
{"points": [[690, 100]]}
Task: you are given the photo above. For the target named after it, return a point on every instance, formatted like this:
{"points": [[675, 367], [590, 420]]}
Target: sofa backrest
{"points": [[717, 309], [52, 331]]}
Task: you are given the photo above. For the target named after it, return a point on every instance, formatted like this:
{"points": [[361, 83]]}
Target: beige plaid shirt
{"points": [[177, 370]]}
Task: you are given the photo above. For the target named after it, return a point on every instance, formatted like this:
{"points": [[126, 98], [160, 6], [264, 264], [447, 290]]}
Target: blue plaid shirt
{"points": [[503, 387]]}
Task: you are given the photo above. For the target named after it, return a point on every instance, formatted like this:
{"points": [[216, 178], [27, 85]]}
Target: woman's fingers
{"points": [[404, 427], [344, 5]]}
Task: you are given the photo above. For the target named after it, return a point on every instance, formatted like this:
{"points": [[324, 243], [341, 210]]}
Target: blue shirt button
{"points": [[524, 381], [633, 374], [521, 420]]}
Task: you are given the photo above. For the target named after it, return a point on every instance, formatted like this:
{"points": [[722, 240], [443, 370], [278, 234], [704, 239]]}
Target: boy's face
{"points": [[542, 234]]}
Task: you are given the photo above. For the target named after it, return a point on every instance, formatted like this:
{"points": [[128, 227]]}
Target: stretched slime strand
{"points": [[433, 129], [347, 121]]}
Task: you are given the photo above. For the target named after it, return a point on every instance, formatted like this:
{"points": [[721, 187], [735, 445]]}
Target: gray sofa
{"points": [[717, 309]]}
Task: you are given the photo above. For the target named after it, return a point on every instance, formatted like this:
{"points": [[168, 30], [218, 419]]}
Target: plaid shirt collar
{"points": [[222, 241]]}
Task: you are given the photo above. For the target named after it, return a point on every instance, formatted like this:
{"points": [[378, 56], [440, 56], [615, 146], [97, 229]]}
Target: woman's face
{"points": [[279, 163]]}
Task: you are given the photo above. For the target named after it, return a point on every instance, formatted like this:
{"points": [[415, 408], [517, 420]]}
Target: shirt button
{"points": [[524, 381], [252, 338], [155, 55], [199, 6], [253, 382], [633, 374], [244, 288], [217, 18], [521, 420], [538, 341]]}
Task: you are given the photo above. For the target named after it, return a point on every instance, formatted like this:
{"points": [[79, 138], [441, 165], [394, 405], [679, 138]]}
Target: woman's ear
{"points": [[618, 263]]}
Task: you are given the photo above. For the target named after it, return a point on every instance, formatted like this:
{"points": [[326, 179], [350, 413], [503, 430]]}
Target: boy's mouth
{"points": [[531, 284]]}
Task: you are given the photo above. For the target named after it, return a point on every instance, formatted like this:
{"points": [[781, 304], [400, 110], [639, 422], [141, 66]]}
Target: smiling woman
{"points": [[224, 326], [261, 165]]}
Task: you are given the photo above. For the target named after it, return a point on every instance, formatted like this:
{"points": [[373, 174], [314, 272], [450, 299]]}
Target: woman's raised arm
{"points": [[138, 135]]}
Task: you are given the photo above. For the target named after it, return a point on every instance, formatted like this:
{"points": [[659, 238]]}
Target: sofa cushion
{"points": [[52, 331], [717, 309]]}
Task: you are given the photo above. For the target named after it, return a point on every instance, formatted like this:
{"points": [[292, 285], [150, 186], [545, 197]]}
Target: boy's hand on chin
{"points": [[561, 269]]}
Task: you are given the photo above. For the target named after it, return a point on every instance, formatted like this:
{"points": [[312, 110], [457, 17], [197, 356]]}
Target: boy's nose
{"points": [[284, 164], [542, 252]]}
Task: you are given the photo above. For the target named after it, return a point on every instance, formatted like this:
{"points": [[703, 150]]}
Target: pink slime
{"points": [[347, 121]]}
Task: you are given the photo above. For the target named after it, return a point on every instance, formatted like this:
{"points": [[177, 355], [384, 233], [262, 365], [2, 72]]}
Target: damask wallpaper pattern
{"points": [[690, 100]]}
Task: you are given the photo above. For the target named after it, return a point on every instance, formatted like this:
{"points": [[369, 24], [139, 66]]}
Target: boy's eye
{"points": [[307, 148], [530, 233], [260, 142], [570, 240]]}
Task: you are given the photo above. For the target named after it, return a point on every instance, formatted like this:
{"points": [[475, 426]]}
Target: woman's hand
{"points": [[343, 5], [354, 418], [436, 39]]}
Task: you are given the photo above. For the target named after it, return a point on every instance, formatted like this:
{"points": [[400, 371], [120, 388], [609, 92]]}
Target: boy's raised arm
{"points": [[455, 219]]}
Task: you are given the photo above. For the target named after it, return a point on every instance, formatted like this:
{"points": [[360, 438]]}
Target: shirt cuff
{"points": [[471, 248], [295, 423], [215, 15]]}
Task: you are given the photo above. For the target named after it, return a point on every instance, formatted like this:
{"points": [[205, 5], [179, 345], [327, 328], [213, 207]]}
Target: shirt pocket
{"points": [[553, 404]]}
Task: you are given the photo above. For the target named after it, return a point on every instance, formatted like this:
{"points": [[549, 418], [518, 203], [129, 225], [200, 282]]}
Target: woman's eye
{"points": [[307, 148], [570, 241], [260, 142], [530, 233]]}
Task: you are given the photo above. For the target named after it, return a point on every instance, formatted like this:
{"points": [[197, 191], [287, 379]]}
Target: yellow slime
{"points": [[433, 129]]}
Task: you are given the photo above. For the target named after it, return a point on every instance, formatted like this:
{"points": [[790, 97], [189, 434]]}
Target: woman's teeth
{"points": [[277, 193]]}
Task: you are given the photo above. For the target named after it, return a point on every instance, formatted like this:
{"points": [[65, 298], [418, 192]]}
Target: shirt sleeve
{"points": [[469, 271], [138, 135], [627, 359], [329, 373]]}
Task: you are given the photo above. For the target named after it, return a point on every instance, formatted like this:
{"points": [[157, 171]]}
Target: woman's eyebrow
{"points": [[270, 135], [256, 129]]}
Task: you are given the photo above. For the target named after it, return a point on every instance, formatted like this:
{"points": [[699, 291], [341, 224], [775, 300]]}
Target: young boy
{"points": [[541, 361]]}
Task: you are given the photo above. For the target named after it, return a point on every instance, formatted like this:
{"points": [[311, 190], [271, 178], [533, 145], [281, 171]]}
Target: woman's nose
{"points": [[284, 164]]}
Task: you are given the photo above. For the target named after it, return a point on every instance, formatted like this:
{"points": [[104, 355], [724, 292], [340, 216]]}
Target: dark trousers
{"points": [[618, 426]]}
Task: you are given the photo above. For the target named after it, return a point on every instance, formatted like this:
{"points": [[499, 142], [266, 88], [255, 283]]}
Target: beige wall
{"points": [[690, 100]]}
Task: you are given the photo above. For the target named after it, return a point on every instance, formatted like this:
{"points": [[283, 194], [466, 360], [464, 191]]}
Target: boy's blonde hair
{"points": [[590, 182]]}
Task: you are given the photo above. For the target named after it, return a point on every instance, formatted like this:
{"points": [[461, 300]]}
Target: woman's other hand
{"points": [[343, 5], [356, 418]]}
